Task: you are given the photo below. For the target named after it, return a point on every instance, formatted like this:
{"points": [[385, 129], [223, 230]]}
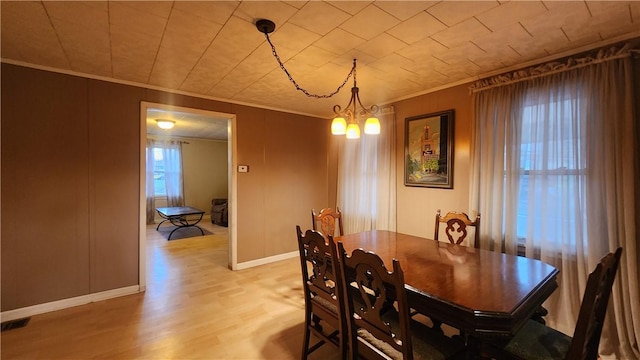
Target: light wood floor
{"points": [[193, 308]]}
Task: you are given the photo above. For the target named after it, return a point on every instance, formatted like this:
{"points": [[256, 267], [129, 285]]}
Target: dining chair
{"points": [[327, 219], [538, 341], [379, 325], [456, 229], [324, 306]]}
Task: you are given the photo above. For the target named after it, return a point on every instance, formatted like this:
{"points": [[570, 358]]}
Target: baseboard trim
{"points": [[67, 303], [267, 260]]}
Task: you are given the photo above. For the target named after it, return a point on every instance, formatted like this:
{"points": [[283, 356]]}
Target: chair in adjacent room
{"points": [[456, 229], [327, 219], [324, 303], [538, 341], [379, 325], [220, 212]]}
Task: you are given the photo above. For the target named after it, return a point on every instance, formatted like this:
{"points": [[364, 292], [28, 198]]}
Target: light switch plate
{"points": [[243, 168]]}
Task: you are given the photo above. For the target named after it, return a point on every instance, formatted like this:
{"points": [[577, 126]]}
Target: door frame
{"points": [[232, 181]]}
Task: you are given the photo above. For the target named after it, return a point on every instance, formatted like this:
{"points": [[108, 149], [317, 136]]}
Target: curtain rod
{"points": [[551, 68], [163, 138]]}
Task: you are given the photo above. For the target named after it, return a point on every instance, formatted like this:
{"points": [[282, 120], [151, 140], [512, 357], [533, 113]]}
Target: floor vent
{"points": [[14, 324]]}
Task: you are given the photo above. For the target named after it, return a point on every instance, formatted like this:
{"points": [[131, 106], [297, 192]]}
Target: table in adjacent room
{"points": [[181, 217]]}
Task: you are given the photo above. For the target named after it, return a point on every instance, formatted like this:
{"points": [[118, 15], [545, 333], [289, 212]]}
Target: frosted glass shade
{"points": [[339, 126], [353, 131], [372, 126]]}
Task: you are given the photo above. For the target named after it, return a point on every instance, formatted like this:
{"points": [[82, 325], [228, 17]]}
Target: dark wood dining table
{"points": [[484, 293]]}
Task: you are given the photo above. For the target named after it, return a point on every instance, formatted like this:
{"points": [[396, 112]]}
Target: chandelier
{"points": [[345, 122], [340, 125]]}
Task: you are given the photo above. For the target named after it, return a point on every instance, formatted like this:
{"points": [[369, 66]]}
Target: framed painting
{"points": [[428, 143]]}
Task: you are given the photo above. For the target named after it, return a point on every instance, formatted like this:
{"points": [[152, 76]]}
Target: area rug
{"points": [[182, 233]]}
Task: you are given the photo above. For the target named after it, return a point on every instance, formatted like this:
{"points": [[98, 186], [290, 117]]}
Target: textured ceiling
{"points": [[212, 49]]}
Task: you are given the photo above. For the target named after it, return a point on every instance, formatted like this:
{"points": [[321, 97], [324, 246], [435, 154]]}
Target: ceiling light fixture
{"points": [[345, 121], [165, 124], [349, 126]]}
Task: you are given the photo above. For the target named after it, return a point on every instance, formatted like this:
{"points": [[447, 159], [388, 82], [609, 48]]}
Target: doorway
{"points": [[189, 124]]}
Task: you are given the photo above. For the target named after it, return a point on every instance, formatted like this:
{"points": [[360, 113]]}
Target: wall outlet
{"points": [[243, 168]]}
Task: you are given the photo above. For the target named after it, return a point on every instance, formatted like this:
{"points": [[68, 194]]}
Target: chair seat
{"points": [[330, 305], [427, 343], [538, 341], [326, 304]]}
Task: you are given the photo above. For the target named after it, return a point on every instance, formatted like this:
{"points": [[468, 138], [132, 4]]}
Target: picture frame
{"points": [[428, 144]]}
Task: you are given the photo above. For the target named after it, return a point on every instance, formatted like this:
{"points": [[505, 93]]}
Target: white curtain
{"points": [[172, 157], [170, 165], [366, 179], [150, 188], [553, 173]]}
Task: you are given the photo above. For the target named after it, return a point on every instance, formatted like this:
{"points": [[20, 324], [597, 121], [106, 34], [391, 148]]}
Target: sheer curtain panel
{"points": [[163, 174], [366, 178], [172, 157], [554, 174], [150, 188]]}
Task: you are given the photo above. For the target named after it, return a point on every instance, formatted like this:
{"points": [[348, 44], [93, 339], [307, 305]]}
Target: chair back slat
{"points": [[456, 229], [327, 219]]}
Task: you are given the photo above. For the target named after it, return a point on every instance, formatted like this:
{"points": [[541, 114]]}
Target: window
{"points": [[159, 184], [552, 174], [164, 170]]}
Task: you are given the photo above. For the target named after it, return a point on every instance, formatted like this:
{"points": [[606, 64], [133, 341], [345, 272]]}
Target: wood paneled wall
{"points": [[70, 182], [70, 165], [45, 188]]}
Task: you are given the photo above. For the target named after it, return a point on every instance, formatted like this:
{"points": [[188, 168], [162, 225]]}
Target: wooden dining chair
{"points": [[456, 229], [324, 307], [538, 341], [327, 219], [457, 232], [379, 325]]}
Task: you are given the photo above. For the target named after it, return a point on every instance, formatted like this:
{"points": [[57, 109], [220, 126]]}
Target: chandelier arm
{"points": [[371, 110], [346, 108], [298, 87]]}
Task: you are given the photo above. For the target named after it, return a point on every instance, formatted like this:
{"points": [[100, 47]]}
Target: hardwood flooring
{"points": [[194, 308]]}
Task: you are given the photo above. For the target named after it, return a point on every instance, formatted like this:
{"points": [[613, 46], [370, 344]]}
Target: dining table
{"points": [[485, 294]]}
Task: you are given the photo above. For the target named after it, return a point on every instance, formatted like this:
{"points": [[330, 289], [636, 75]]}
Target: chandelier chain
{"points": [[298, 87]]}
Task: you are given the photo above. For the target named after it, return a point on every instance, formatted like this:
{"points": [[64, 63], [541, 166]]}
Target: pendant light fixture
{"points": [[345, 121]]}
